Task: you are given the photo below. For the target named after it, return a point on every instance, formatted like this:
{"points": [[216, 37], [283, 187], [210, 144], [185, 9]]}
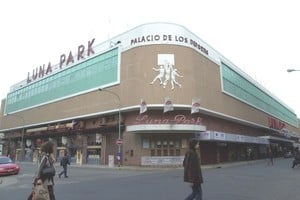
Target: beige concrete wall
{"points": [[201, 80]]}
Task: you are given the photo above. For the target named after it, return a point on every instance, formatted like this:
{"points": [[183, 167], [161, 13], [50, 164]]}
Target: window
{"points": [[146, 143], [184, 144], [246, 91], [171, 152], [167, 146], [158, 152], [158, 144], [152, 152], [131, 153], [62, 84]]}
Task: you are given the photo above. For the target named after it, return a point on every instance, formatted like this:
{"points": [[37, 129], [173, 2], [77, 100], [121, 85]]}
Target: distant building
{"points": [[166, 84]]}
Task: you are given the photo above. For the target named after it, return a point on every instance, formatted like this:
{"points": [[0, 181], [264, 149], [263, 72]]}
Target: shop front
{"points": [[279, 145], [219, 147], [159, 140]]}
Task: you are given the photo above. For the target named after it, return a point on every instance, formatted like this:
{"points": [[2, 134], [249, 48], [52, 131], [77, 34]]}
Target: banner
{"points": [[195, 106], [168, 105], [143, 107]]}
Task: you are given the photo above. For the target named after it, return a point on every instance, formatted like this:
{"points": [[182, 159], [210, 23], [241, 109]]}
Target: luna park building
{"points": [[136, 100]]}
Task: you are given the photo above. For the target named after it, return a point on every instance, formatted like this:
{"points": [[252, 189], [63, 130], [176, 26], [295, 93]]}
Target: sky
{"points": [[261, 37]]}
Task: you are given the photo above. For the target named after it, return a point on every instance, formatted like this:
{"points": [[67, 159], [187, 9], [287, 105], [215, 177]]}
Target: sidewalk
{"points": [[212, 166], [232, 164]]}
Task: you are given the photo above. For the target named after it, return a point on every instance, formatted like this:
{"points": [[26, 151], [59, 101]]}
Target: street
{"points": [[249, 181]]}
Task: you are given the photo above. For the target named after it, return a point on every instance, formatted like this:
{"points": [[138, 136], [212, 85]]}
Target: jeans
{"points": [[196, 192], [51, 192]]}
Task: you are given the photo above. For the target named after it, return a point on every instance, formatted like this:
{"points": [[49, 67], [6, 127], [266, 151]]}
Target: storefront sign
{"points": [[64, 61], [229, 137], [161, 160], [240, 138], [119, 142], [275, 124], [168, 38], [203, 135], [219, 135], [178, 119]]}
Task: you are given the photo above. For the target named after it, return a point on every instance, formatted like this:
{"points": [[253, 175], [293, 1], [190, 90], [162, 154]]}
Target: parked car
{"points": [[7, 166]]}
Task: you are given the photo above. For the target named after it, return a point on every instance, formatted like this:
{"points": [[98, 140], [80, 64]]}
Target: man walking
{"points": [[296, 160], [64, 163]]}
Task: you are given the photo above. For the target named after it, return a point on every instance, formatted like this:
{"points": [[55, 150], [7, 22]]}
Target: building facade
{"points": [[138, 98]]}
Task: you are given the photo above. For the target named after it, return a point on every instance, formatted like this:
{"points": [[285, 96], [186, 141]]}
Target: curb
{"points": [[146, 168]]}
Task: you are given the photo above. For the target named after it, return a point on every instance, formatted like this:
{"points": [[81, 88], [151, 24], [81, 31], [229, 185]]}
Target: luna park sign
{"points": [[177, 119], [64, 61]]}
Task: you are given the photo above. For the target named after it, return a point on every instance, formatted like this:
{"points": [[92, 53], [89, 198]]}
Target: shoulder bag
{"points": [[48, 170]]}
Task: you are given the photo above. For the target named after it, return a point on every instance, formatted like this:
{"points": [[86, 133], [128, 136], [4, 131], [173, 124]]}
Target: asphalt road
{"points": [[249, 181]]}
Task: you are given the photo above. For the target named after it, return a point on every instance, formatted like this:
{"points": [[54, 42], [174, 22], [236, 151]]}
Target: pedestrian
{"points": [[192, 170], [64, 162], [47, 161], [270, 156], [296, 160]]}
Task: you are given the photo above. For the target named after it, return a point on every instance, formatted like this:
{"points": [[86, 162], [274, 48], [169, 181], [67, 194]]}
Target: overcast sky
{"points": [[262, 37]]}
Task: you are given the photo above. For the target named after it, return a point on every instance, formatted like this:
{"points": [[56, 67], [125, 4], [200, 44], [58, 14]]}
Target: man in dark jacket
{"points": [[192, 170], [64, 163], [296, 160]]}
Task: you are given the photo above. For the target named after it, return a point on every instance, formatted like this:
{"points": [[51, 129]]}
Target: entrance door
{"points": [[93, 156]]}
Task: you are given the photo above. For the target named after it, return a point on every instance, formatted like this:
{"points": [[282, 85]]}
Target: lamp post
{"points": [[119, 123], [292, 70], [22, 133]]}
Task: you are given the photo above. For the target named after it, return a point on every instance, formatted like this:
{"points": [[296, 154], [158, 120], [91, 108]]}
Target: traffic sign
{"points": [[119, 142]]}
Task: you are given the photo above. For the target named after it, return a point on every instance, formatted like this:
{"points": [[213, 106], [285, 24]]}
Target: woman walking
{"points": [[46, 162], [192, 170]]}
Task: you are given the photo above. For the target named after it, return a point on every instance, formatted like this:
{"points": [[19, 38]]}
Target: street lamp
{"points": [[292, 70], [22, 134], [119, 122]]}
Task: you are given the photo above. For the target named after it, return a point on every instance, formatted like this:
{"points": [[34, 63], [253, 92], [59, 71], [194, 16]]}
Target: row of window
{"points": [[164, 143], [243, 89], [168, 146], [165, 152], [75, 79]]}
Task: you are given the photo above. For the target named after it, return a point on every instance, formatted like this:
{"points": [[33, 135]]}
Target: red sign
{"points": [[275, 124], [72, 57], [119, 142], [178, 119]]}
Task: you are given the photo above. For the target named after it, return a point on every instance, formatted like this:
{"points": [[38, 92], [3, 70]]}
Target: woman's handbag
{"points": [[48, 171]]}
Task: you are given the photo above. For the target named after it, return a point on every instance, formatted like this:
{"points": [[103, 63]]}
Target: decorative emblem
{"points": [[166, 71]]}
